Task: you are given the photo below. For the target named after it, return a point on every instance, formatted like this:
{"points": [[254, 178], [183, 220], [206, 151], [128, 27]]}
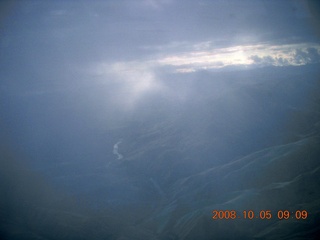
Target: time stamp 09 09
{"points": [[262, 214]]}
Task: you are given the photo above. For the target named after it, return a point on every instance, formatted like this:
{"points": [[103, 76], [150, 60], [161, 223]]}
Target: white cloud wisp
{"points": [[242, 55], [132, 80]]}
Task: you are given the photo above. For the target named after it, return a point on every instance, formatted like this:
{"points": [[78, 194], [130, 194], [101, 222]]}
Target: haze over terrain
{"points": [[137, 119]]}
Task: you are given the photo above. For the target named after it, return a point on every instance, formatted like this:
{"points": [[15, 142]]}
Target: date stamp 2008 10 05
{"points": [[263, 214]]}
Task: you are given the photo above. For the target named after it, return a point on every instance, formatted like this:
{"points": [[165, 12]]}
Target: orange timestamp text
{"points": [[263, 214]]}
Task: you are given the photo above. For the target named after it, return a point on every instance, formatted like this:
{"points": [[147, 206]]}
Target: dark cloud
{"points": [[301, 56], [266, 60], [313, 55], [309, 55]]}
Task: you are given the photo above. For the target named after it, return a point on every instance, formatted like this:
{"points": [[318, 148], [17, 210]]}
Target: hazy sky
{"points": [[69, 64], [53, 38]]}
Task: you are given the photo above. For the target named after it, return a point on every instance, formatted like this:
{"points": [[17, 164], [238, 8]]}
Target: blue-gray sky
{"points": [[79, 65], [65, 37]]}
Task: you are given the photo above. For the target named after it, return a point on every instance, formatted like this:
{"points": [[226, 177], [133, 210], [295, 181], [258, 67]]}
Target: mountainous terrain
{"points": [[242, 140]]}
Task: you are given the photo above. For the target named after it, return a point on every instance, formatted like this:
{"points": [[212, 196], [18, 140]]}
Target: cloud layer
{"points": [[207, 57]]}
